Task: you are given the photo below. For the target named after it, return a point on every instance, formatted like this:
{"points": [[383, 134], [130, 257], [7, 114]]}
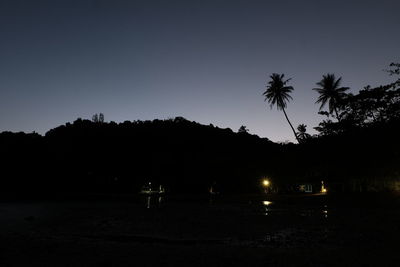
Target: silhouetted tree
{"points": [[330, 92], [243, 129], [278, 93], [101, 117], [394, 69], [374, 105], [302, 132], [98, 118], [95, 118], [368, 108]]}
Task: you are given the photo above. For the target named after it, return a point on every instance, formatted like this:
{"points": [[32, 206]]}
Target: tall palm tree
{"points": [[330, 92], [278, 93]]}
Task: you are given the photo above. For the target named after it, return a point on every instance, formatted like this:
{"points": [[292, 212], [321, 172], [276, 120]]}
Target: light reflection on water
{"points": [[264, 207], [275, 208], [325, 211], [153, 201], [266, 204]]}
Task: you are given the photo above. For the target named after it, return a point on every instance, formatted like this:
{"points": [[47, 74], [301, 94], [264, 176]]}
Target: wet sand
{"points": [[341, 230]]}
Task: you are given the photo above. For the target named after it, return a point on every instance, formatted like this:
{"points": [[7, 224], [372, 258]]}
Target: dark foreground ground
{"points": [[318, 230]]}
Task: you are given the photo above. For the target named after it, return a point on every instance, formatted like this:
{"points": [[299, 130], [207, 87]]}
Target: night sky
{"points": [[207, 61]]}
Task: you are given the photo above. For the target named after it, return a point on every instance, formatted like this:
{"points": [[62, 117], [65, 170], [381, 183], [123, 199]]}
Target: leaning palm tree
{"points": [[278, 93], [330, 92]]}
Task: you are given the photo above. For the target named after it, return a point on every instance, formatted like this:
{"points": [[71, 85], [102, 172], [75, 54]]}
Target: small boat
{"points": [[148, 190]]}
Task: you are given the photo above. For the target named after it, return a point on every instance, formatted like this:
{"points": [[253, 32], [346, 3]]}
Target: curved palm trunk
{"points": [[291, 126]]}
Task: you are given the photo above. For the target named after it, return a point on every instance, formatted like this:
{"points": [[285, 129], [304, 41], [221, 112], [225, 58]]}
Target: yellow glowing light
{"points": [[267, 203], [265, 182], [323, 188]]}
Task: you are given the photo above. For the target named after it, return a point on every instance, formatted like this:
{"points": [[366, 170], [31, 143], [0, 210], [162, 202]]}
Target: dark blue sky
{"points": [[207, 61]]}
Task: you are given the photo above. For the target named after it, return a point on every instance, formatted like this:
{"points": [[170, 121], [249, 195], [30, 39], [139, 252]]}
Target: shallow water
{"points": [[212, 226]]}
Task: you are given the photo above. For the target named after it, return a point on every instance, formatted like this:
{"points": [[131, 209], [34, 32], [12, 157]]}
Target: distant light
{"points": [[265, 183], [325, 212], [267, 203], [323, 188]]}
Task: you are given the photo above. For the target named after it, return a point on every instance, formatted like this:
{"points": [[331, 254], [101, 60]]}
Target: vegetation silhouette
{"points": [[87, 156], [302, 132], [370, 107], [359, 152], [243, 129], [278, 93], [330, 92]]}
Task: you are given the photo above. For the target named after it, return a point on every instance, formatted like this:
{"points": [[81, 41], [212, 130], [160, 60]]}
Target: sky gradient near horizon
{"points": [[207, 61]]}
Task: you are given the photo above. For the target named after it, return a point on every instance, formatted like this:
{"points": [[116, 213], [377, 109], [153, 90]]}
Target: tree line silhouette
{"points": [[357, 146], [368, 107], [95, 156]]}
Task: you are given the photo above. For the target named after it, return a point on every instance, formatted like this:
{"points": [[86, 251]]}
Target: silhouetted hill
{"points": [[185, 156], [182, 155]]}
